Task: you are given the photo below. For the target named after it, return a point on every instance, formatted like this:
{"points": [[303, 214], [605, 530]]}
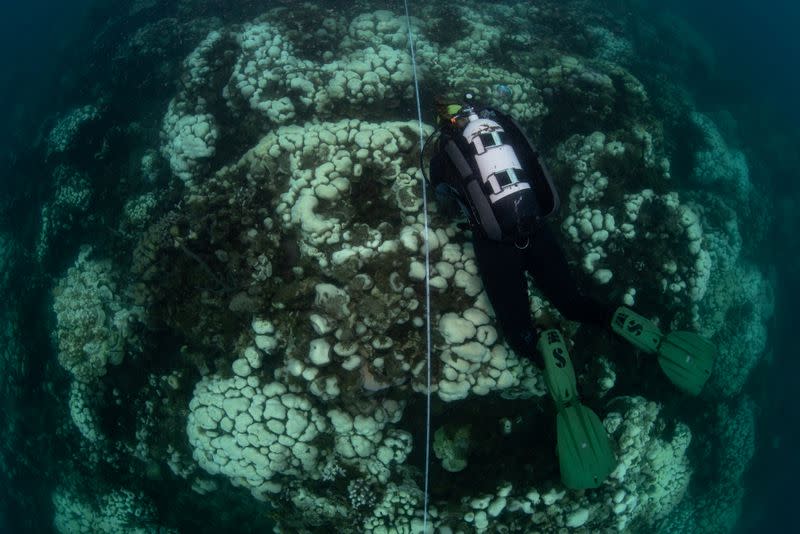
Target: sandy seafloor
{"points": [[211, 266]]}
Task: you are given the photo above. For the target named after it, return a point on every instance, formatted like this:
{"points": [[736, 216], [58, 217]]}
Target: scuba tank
{"points": [[503, 198]]}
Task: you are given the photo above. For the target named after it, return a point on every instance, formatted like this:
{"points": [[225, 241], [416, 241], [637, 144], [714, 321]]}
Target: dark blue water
{"points": [[756, 46], [36, 38], [58, 55], [758, 53]]}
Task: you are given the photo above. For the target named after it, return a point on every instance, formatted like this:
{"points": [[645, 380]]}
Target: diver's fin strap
{"points": [[639, 331], [559, 375]]}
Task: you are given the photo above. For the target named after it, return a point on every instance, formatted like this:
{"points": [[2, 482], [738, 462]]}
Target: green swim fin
{"points": [[685, 357], [585, 454]]}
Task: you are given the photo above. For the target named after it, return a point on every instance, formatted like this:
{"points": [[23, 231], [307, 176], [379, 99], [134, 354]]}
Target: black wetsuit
{"points": [[503, 266]]}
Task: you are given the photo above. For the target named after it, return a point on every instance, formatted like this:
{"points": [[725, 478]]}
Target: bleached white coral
{"points": [[600, 230], [366, 441], [272, 78], [92, 323], [188, 140], [117, 512], [399, 511], [204, 60], [253, 433], [329, 160], [474, 360]]}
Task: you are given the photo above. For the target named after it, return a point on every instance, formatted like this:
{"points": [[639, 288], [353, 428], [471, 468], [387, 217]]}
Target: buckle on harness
{"points": [[524, 245]]}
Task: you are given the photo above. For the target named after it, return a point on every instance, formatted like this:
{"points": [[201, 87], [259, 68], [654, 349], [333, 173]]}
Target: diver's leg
{"points": [[545, 260], [503, 275]]}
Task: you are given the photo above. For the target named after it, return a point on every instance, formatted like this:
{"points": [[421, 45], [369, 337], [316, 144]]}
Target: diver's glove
{"points": [[685, 357], [585, 455]]}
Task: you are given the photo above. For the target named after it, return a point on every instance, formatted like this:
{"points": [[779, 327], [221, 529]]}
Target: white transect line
{"points": [[427, 279]]}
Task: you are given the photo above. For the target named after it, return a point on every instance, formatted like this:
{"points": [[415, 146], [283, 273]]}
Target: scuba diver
{"points": [[485, 166]]}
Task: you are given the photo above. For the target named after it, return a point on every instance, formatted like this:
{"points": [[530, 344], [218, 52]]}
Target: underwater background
{"points": [[212, 313]]}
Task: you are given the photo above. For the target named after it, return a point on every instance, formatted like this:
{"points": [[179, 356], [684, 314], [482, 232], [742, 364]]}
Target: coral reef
{"points": [[119, 511], [93, 326], [451, 446], [73, 194], [718, 164], [301, 207], [665, 236], [249, 322], [67, 130], [732, 428]]}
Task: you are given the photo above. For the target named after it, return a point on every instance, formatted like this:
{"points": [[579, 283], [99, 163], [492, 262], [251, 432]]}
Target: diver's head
{"points": [[448, 110]]}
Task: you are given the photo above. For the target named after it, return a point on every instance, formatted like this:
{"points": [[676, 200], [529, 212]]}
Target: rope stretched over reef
{"points": [[427, 277]]}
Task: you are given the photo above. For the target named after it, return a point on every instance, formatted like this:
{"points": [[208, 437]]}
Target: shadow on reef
{"points": [[523, 453]]}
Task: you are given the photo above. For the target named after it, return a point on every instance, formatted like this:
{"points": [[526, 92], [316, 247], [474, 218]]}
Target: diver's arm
{"points": [[437, 169], [447, 200], [447, 197]]}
